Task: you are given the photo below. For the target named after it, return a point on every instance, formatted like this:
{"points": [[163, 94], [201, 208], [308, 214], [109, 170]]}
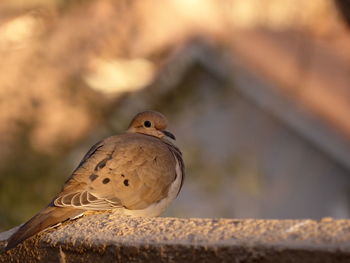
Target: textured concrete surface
{"points": [[113, 238]]}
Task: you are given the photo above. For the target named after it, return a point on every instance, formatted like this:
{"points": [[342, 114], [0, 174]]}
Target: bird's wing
{"points": [[129, 170]]}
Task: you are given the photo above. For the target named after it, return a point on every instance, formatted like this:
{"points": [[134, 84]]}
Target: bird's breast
{"points": [[159, 207]]}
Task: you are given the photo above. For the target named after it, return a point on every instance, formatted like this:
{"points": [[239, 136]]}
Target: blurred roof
{"points": [[299, 47]]}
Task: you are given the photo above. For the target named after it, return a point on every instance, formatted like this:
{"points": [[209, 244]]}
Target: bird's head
{"points": [[150, 123]]}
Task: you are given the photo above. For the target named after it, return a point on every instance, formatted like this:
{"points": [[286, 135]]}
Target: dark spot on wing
{"points": [[122, 175], [126, 182], [106, 181], [102, 163], [93, 177]]}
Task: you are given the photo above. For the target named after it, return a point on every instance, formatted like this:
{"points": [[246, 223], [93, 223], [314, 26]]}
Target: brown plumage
{"points": [[137, 173]]}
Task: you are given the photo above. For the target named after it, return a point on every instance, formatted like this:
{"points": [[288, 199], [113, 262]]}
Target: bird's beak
{"points": [[169, 134]]}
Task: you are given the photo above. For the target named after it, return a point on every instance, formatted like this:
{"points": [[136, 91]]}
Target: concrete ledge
{"points": [[113, 238]]}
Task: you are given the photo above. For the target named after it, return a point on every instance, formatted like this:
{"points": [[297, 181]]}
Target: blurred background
{"points": [[256, 91]]}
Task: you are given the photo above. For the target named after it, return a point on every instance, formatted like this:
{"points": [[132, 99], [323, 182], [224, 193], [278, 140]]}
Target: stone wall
{"points": [[112, 238]]}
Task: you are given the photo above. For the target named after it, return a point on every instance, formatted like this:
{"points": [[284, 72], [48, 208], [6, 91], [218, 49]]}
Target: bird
{"points": [[137, 173]]}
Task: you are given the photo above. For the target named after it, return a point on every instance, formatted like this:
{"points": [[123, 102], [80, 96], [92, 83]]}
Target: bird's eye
{"points": [[147, 124]]}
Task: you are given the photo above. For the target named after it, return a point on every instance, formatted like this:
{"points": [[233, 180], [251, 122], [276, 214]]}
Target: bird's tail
{"points": [[48, 217]]}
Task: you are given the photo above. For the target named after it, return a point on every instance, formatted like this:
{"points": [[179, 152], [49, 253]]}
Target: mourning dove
{"points": [[136, 173]]}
